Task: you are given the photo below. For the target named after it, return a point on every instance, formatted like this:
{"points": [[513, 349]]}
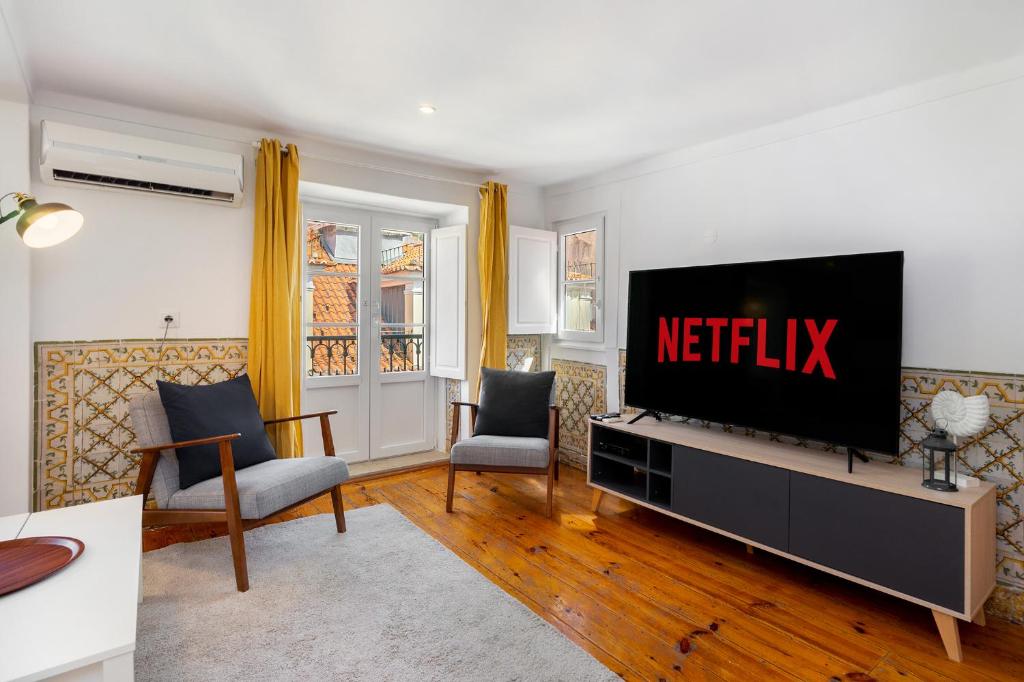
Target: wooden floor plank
{"points": [[653, 617], [700, 615], [627, 584], [793, 596]]}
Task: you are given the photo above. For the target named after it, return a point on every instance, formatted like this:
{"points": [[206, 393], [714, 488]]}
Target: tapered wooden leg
{"points": [[551, 496], [950, 635], [979, 618], [595, 501], [235, 527], [339, 508], [238, 554], [556, 467], [451, 487]]}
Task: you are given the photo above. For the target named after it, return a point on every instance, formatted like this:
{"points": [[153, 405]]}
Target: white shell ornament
{"points": [[959, 415]]}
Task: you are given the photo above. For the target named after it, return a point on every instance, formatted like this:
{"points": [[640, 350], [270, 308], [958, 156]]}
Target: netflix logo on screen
{"points": [[745, 339]]}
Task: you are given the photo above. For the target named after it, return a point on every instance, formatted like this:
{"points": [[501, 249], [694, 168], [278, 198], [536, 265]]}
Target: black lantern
{"points": [[938, 444]]}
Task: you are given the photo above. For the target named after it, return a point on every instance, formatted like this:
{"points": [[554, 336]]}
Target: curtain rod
{"points": [[384, 169]]}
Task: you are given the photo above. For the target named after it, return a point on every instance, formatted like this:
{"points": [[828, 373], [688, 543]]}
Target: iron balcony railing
{"points": [[339, 355]]}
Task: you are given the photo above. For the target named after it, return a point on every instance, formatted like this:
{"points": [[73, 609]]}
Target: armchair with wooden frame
{"points": [[503, 454], [241, 498]]}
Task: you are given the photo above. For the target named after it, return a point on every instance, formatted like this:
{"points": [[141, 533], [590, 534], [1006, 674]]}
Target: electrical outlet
{"points": [[175, 320]]}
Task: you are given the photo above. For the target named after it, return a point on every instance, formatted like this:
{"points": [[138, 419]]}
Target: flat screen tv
{"points": [[807, 347]]}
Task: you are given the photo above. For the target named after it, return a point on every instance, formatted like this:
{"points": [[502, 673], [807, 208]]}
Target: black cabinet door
{"points": [[913, 546], [745, 498]]}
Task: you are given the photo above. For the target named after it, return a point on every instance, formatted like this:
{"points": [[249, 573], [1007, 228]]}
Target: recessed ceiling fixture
{"points": [[427, 108]]}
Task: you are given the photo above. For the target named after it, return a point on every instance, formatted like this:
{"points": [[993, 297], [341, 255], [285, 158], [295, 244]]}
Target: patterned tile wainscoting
{"points": [[524, 352], [996, 454], [623, 407], [82, 431], [452, 391], [579, 392]]}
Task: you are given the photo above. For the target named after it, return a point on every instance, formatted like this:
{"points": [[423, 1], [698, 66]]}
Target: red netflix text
{"points": [[686, 341]]}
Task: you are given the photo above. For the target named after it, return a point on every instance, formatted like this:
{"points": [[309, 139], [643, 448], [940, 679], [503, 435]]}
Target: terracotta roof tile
{"points": [[411, 260]]}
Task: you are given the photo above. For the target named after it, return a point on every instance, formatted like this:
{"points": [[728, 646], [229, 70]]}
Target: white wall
{"points": [[140, 255], [15, 342], [936, 170]]}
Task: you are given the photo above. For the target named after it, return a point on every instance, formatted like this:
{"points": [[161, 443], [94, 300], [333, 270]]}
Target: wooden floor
{"points": [[654, 598]]}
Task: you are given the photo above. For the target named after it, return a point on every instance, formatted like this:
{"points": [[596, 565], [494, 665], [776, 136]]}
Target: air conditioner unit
{"points": [[72, 155]]}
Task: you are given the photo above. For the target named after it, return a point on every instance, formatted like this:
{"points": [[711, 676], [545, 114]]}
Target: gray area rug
{"points": [[384, 601]]}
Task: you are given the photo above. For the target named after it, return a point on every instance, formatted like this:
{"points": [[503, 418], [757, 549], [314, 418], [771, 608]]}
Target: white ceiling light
{"points": [[427, 108]]}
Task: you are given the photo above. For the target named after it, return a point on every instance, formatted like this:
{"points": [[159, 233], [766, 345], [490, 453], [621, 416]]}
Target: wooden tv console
{"points": [[877, 526]]}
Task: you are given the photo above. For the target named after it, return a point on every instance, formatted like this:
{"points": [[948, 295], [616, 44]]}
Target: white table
{"points": [[78, 624], [10, 526]]}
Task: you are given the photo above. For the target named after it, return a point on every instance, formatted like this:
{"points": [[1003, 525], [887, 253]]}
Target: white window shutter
{"points": [[532, 281], [448, 302]]}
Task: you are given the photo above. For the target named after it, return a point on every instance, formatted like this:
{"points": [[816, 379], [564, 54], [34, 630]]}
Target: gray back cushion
{"points": [[514, 403], [149, 421]]}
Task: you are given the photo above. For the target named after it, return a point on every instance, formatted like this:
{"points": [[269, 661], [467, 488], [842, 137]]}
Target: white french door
{"points": [[366, 307]]}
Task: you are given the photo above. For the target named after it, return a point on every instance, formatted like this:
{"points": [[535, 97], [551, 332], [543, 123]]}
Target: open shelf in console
{"points": [[635, 466], [659, 489], [622, 447], [660, 457], [617, 475]]}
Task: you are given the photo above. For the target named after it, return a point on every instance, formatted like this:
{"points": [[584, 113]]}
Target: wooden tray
{"points": [[26, 561]]}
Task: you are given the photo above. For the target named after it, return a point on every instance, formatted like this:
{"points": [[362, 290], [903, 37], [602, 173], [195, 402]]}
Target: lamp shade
{"points": [[42, 225]]}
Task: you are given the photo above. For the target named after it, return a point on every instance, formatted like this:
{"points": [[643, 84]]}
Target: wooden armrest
{"points": [[267, 422], [457, 418], [553, 426], [187, 443]]}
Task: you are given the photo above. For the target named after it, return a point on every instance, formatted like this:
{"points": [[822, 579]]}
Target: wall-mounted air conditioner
{"points": [[72, 155]]}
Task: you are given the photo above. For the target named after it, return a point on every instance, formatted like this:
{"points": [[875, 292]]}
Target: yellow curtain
{"points": [[275, 305], [493, 263]]}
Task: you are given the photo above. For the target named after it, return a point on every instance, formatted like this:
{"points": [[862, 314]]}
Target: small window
{"points": [[580, 285]]}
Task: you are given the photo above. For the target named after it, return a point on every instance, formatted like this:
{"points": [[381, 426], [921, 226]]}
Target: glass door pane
{"points": [[331, 296], [401, 301]]}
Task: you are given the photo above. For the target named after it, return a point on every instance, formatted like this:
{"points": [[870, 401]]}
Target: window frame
{"points": [[322, 212], [411, 225], [565, 229]]}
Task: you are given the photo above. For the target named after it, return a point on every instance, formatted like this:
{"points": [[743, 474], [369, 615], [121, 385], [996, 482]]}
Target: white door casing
{"points": [[382, 413]]}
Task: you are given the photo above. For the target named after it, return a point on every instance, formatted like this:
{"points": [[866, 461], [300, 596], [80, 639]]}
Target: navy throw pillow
{"points": [[514, 403], [214, 410]]}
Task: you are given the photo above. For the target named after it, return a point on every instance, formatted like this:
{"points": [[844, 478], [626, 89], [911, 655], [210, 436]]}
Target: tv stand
{"points": [[850, 454], [878, 527], [645, 413]]}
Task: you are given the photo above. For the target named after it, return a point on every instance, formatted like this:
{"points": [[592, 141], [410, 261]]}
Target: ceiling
{"points": [[534, 91]]}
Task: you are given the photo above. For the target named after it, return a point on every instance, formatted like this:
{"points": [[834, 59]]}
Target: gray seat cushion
{"points": [[268, 487], [507, 451]]}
